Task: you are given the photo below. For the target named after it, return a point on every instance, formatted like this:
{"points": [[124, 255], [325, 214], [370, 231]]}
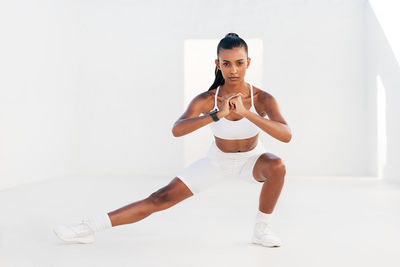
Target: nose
{"points": [[233, 69]]}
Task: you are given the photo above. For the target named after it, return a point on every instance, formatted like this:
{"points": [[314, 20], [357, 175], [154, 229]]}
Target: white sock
{"points": [[263, 217], [100, 222]]}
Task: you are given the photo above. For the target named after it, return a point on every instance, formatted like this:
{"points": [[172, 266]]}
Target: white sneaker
{"points": [[263, 235], [76, 232]]}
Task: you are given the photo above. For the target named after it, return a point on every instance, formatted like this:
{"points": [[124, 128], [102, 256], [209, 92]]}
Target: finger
{"points": [[234, 98], [229, 95], [236, 95]]}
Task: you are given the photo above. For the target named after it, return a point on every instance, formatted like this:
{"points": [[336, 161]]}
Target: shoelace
{"points": [[81, 228], [263, 229], [263, 232], [84, 221]]}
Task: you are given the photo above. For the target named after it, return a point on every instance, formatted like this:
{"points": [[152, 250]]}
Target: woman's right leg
{"points": [[162, 199], [193, 179]]}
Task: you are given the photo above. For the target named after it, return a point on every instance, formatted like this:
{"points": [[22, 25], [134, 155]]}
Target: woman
{"points": [[235, 111]]}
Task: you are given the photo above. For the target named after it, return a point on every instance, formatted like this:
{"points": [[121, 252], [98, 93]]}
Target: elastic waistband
{"points": [[214, 149]]}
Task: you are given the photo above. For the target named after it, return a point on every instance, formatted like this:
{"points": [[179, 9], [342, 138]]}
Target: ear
{"points": [[248, 62], [217, 63]]}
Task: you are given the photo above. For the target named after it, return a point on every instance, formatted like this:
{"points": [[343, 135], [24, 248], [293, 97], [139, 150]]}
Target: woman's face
{"points": [[233, 64]]}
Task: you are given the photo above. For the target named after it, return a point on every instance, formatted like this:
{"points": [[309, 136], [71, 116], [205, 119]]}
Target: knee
{"points": [[275, 168], [278, 167]]}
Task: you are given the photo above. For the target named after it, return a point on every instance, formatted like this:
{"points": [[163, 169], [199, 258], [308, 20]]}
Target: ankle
{"points": [[263, 217], [99, 222]]}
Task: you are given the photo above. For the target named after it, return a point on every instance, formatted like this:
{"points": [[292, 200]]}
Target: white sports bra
{"points": [[233, 130]]}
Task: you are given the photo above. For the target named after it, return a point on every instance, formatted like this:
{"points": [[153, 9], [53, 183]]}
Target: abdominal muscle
{"points": [[233, 146]]}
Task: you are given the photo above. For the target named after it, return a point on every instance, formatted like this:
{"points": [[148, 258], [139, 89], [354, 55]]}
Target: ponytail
{"points": [[219, 80]]}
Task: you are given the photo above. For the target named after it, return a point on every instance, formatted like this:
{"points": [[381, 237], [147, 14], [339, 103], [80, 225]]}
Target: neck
{"points": [[235, 88]]}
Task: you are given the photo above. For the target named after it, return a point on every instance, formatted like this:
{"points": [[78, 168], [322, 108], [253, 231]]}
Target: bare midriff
{"points": [[233, 146]]}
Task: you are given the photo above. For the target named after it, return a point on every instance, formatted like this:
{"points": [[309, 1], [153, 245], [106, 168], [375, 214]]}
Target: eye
{"points": [[225, 64], [240, 63]]}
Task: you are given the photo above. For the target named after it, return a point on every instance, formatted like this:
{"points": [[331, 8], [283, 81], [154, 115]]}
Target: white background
{"points": [[94, 87]]}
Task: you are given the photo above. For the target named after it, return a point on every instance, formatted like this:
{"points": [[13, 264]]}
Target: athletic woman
{"points": [[235, 111]]}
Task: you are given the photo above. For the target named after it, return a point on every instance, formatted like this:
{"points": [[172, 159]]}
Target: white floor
{"points": [[322, 222]]}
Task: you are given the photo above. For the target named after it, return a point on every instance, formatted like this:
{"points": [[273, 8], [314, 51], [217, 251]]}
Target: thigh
{"points": [[201, 175], [265, 165]]}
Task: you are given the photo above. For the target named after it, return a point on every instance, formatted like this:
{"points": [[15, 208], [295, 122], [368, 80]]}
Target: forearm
{"points": [[276, 129], [185, 126]]}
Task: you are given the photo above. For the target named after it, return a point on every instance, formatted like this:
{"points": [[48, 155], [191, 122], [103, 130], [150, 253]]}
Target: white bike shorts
{"points": [[219, 166]]}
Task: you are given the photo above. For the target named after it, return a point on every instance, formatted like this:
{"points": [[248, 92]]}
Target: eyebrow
{"points": [[236, 60]]}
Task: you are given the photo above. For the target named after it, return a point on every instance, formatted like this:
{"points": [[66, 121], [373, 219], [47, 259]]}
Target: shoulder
{"points": [[263, 100], [268, 105], [204, 101], [204, 97], [262, 96]]}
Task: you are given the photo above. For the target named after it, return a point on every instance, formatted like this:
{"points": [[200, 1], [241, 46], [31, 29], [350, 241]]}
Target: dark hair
{"points": [[230, 41]]}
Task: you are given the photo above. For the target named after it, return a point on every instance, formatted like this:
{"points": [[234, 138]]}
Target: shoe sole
{"points": [[83, 240], [257, 241]]}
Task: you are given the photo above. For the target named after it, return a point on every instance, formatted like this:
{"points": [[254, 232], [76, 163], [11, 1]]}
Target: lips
{"points": [[233, 78]]}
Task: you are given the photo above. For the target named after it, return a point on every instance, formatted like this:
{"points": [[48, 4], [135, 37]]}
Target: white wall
{"points": [[383, 21], [38, 90], [131, 89], [110, 84], [314, 61]]}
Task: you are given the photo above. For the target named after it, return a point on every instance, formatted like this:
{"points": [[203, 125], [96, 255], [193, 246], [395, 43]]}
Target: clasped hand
{"points": [[232, 103]]}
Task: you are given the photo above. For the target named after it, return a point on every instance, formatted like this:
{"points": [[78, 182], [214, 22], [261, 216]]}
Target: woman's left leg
{"points": [[270, 170]]}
